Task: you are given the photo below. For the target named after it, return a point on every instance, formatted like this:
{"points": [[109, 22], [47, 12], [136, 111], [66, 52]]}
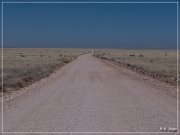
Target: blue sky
{"points": [[90, 25]]}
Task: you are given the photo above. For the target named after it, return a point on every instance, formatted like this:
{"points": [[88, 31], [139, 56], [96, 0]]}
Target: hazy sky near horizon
{"points": [[90, 25]]}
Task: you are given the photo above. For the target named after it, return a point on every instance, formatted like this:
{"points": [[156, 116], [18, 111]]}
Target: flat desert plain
{"points": [[86, 90], [159, 64], [23, 66]]}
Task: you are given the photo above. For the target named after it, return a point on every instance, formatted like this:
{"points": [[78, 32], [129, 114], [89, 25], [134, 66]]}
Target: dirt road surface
{"points": [[88, 95]]}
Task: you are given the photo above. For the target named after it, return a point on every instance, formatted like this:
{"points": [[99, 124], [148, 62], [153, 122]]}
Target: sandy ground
{"points": [[89, 95]]}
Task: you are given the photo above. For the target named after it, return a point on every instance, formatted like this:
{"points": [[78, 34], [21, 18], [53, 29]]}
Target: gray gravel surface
{"points": [[89, 95]]}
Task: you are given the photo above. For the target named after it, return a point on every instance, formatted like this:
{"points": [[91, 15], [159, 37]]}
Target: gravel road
{"points": [[89, 95]]}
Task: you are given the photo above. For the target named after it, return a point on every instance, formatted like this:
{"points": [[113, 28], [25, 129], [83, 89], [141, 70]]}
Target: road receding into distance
{"points": [[89, 95]]}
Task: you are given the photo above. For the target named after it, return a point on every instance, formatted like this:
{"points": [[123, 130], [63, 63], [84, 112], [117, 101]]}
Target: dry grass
{"points": [[160, 64], [22, 67]]}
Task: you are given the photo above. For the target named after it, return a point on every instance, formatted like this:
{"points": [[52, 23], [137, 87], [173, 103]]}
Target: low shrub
{"points": [[132, 55]]}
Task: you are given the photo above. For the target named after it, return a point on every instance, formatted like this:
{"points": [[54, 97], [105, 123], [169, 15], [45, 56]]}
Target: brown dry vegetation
{"points": [[22, 67], [159, 64]]}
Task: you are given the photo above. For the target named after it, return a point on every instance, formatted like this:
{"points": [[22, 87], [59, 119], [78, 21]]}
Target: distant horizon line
{"points": [[89, 48]]}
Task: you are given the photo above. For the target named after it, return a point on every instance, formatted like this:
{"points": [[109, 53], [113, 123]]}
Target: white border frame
{"points": [[177, 3]]}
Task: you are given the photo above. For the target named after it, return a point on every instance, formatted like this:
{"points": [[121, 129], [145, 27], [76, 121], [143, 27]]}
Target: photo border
{"points": [[2, 41]]}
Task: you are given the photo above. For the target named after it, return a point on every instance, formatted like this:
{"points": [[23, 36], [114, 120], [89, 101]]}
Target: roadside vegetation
{"points": [[23, 66], [159, 64]]}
